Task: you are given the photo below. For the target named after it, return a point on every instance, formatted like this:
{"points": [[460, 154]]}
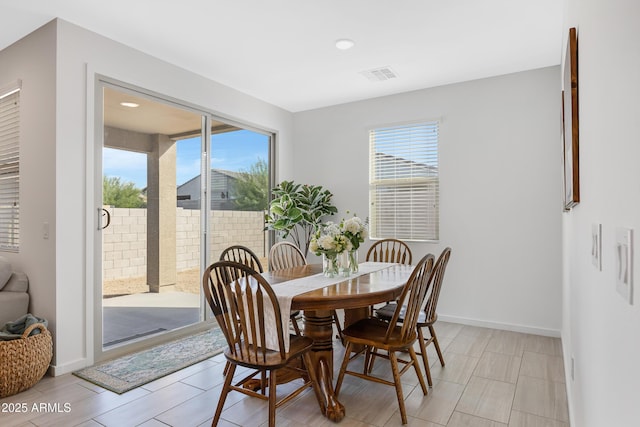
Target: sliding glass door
{"points": [[178, 186]]}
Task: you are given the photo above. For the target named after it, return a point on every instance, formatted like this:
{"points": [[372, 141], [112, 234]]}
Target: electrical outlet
{"points": [[596, 246], [624, 263]]}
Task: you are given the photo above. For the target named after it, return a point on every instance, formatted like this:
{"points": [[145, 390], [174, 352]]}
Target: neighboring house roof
{"points": [[405, 167], [230, 174]]}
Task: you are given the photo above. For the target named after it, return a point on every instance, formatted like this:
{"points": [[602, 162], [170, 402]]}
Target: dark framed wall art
{"points": [[570, 123]]}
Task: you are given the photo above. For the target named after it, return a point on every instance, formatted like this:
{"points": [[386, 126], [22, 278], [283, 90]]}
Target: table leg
{"points": [[318, 325]]}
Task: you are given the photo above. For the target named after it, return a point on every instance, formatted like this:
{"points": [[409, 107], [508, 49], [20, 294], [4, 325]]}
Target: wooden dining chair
{"points": [[238, 297], [286, 255], [375, 334], [428, 316], [243, 255], [390, 250]]}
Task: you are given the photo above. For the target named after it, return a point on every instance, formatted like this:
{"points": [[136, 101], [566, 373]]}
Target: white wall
{"points": [[32, 59], [58, 64], [500, 188], [600, 330]]}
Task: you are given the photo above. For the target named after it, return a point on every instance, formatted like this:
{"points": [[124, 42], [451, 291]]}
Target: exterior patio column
{"points": [[161, 215]]}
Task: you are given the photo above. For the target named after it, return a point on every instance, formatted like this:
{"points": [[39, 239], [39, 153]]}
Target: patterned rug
{"points": [[131, 371]]}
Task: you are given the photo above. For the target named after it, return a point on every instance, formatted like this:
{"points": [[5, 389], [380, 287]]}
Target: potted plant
{"points": [[297, 211]]}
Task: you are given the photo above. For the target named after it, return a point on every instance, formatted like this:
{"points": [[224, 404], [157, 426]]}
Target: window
{"points": [[10, 167], [404, 182]]}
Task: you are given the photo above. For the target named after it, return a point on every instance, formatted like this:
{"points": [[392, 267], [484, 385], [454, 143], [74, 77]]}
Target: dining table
{"points": [[374, 283]]}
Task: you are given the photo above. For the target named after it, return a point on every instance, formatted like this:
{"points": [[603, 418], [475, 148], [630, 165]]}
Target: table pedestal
{"points": [[318, 325]]}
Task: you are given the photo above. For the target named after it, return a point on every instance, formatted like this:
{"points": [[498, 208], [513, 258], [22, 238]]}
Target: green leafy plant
{"points": [[121, 194], [297, 211]]}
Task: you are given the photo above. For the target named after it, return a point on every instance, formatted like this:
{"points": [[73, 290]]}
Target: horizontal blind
{"points": [[10, 171], [404, 187]]}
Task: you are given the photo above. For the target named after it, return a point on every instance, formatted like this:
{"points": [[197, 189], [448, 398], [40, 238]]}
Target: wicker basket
{"points": [[24, 361]]}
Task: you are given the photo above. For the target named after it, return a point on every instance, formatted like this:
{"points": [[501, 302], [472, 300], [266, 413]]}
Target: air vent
{"points": [[379, 74]]}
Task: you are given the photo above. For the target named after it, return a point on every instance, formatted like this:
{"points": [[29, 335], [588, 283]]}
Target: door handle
{"points": [[103, 212]]}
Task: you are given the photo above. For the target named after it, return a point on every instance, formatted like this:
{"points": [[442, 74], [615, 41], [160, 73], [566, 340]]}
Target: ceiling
{"points": [[283, 51], [153, 117]]}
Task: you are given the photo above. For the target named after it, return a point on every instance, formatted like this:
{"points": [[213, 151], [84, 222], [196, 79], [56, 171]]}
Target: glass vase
{"points": [[353, 261], [344, 267], [330, 265]]}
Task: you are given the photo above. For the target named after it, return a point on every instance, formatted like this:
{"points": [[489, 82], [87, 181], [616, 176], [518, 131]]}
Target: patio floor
{"points": [[139, 315]]}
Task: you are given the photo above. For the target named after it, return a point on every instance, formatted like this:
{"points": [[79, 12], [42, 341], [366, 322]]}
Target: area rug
{"points": [[131, 371]]}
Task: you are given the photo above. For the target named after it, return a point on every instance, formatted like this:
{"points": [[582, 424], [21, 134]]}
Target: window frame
{"points": [[406, 178]]}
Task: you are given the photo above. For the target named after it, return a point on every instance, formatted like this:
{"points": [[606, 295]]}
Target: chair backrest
{"points": [[411, 300], [285, 255], [390, 250], [436, 285], [238, 297], [243, 255]]}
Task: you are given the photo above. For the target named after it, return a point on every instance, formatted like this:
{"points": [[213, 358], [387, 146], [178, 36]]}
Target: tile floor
{"points": [[492, 378]]}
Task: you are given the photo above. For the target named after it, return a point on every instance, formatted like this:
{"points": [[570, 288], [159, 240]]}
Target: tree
{"points": [[252, 188], [121, 194]]}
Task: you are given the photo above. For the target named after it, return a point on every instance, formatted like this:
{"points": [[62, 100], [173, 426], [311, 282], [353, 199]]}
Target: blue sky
{"points": [[234, 151]]}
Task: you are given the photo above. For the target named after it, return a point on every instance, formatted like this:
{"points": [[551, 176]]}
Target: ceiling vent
{"points": [[379, 74]]}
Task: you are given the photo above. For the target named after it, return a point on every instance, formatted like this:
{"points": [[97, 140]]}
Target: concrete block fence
{"points": [[124, 253]]}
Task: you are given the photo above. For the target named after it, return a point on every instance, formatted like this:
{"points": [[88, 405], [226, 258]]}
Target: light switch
{"points": [[596, 245], [45, 230], [624, 263]]}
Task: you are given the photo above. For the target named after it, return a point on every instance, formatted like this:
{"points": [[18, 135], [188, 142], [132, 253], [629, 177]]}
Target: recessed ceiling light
{"points": [[129, 104], [344, 44]]}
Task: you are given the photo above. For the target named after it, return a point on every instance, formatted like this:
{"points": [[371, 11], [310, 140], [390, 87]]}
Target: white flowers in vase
{"points": [[333, 240], [354, 229], [329, 241]]}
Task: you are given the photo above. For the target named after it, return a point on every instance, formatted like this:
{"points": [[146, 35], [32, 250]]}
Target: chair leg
{"points": [[296, 328], [372, 359], [396, 379], [432, 331], [343, 368], [425, 359], [272, 398], [416, 366], [225, 390], [336, 320]]}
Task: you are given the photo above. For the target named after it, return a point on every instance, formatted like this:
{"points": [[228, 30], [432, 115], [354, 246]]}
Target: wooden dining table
{"points": [[353, 294]]}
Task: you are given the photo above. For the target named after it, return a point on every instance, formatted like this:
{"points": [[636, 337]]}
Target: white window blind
{"points": [[404, 190], [10, 168]]}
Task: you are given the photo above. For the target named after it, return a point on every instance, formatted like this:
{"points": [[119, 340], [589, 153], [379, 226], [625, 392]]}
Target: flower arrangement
{"points": [[355, 230], [330, 240], [335, 240]]}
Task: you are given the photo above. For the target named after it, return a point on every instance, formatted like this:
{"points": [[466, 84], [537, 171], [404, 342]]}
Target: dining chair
{"points": [[428, 316], [390, 250], [243, 255], [239, 297], [372, 334], [286, 255]]}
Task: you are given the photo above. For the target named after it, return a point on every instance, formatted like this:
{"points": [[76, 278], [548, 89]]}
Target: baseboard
{"points": [[57, 370], [502, 326]]}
